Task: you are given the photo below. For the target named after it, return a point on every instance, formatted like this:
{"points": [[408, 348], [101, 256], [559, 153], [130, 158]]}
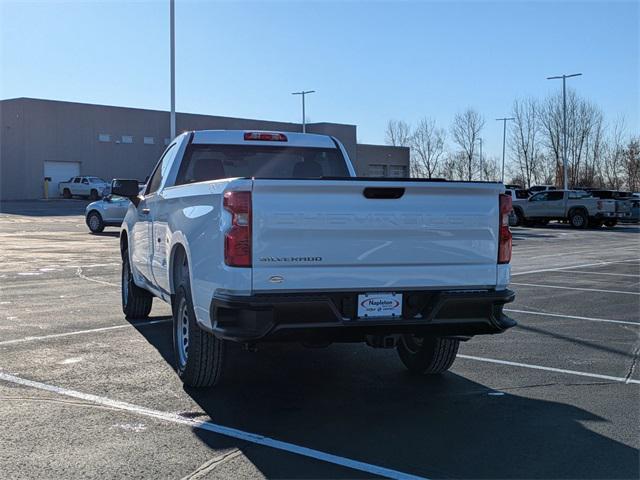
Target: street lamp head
{"points": [[558, 77]]}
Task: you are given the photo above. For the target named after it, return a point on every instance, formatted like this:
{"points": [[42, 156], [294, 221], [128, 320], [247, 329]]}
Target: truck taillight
{"points": [[504, 235], [237, 240]]}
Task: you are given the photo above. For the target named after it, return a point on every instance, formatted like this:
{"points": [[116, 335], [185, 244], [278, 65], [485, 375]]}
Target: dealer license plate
{"points": [[375, 305]]}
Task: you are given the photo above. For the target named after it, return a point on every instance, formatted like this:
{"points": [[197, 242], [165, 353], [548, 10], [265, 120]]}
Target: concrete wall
{"points": [[33, 131]]}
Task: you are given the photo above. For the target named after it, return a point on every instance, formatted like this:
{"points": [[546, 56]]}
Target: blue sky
{"points": [[368, 61]]}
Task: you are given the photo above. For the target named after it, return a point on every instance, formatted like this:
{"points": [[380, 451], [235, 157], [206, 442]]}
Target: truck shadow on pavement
{"points": [[360, 403]]}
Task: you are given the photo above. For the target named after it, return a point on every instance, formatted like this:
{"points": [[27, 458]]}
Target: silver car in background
{"points": [[107, 212]]}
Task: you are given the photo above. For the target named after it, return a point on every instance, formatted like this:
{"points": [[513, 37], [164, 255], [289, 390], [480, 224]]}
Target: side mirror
{"points": [[126, 188]]}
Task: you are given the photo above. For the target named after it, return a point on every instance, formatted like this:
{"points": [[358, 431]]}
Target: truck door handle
{"points": [[383, 192], [145, 211]]}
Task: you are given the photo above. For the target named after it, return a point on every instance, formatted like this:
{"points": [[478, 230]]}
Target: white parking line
{"points": [[576, 288], [81, 332], [582, 252], [632, 275], [550, 369], [575, 266], [543, 314], [101, 282], [215, 428]]}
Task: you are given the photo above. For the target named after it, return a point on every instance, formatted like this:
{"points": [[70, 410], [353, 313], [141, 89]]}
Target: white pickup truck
{"points": [[89, 187], [266, 236]]}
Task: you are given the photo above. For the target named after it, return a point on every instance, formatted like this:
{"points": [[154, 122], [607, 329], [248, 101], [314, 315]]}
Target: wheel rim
{"points": [[578, 220], [412, 343], [94, 222], [182, 333], [125, 283]]}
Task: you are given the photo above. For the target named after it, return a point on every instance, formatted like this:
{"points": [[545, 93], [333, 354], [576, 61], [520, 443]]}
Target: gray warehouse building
{"points": [[47, 138]]}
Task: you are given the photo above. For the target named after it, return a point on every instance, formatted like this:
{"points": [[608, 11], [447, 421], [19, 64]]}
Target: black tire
{"points": [[594, 223], [66, 193], [520, 216], [610, 223], [136, 301], [199, 355], [93, 195], [199, 361], [578, 218], [94, 222], [427, 355]]}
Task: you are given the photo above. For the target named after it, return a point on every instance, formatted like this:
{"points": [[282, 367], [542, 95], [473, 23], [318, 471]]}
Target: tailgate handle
{"points": [[383, 192]]}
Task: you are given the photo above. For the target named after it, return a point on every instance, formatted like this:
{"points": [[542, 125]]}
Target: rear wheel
{"points": [[594, 223], [94, 222], [93, 195], [136, 301], [199, 355], [520, 217], [578, 219], [610, 223], [426, 355], [66, 193]]}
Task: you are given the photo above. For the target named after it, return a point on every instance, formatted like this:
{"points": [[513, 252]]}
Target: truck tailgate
{"points": [[327, 235]]}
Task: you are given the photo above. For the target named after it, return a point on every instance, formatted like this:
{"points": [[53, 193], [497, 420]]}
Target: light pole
{"points": [[565, 180], [504, 138], [304, 122], [481, 170], [172, 35]]}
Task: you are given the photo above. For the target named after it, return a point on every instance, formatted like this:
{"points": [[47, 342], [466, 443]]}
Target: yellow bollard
{"points": [[46, 187]]}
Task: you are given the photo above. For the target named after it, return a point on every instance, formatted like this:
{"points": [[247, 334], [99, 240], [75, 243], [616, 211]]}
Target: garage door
{"points": [[60, 172]]}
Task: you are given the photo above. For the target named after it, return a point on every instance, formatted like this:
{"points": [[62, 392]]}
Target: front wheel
{"points": [[578, 219], [427, 355], [199, 355], [136, 301], [95, 223]]}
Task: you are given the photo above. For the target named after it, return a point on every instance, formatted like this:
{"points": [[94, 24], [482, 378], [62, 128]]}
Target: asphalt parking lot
{"points": [[85, 393]]}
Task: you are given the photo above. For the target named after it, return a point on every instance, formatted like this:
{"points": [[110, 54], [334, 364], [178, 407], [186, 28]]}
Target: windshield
{"points": [[210, 162]]}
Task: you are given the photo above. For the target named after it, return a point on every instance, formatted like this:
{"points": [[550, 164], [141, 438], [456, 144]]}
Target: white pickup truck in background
{"points": [[88, 187], [262, 236]]}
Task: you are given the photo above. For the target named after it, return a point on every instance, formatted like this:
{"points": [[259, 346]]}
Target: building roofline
{"points": [[32, 99], [382, 146]]}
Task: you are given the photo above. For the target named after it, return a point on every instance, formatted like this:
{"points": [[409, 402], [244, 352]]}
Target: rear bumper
{"points": [[332, 316]]}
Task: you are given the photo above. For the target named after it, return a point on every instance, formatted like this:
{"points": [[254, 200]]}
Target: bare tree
{"points": [[523, 138], [584, 120], [612, 167], [551, 126], [632, 164], [398, 133], [465, 131], [490, 170], [454, 166], [427, 147]]}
